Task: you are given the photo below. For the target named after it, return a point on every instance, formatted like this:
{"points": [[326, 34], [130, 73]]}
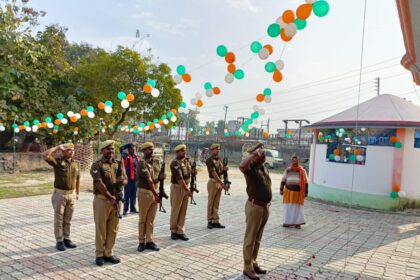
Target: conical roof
{"points": [[382, 111]]}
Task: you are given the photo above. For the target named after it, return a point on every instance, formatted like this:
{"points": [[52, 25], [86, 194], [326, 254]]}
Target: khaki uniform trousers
{"points": [[147, 214], [63, 204], [256, 218], [106, 226], [213, 201], [179, 205]]}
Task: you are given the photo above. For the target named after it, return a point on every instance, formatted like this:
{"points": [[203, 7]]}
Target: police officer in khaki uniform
{"points": [[148, 176], [106, 185], [214, 186], [66, 191], [258, 188], [180, 178]]}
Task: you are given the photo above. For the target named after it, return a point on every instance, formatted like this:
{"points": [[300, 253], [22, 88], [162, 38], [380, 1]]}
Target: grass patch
{"points": [[22, 191]]}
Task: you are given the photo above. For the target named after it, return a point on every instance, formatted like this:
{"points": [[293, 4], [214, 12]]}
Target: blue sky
{"points": [[321, 75]]}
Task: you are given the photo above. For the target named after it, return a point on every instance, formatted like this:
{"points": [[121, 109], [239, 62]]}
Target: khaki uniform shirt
{"points": [[214, 164], [65, 173], [148, 169], [105, 171], [258, 183], [180, 169]]}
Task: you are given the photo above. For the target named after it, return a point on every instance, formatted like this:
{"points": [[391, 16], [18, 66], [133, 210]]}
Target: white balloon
{"points": [[64, 121], [207, 132], [125, 104], [337, 158], [360, 158], [70, 114], [255, 108], [78, 116], [209, 93], [229, 78], [17, 130], [173, 119], [75, 132], [198, 96], [261, 112], [178, 79], [34, 128], [267, 98], [280, 22], [165, 121], [28, 129], [2, 128], [193, 101], [50, 125], [310, 1], [108, 109], [157, 125], [290, 29], [155, 92], [91, 115], [279, 64], [146, 128], [402, 194], [263, 54], [103, 130]]}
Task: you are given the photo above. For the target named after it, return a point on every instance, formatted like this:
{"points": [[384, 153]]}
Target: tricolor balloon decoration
{"points": [[263, 51], [210, 90], [230, 58], [125, 99], [150, 87], [197, 100], [182, 75], [265, 96]]}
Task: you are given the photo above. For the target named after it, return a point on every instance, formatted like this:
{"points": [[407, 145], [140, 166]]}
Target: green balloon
{"points": [[142, 125], [26, 123], [152, 83], [164, 117], [256, 47], [332, 156], [208, 86], [274, 30], [321, 8], [90, 108], [352, 158], [14, 126], [35, 122], [181, 70], [60, 116], [267, 91], [183, 104], [270, 67], [108, 103], [394, 195], [300, 23], [226, 133], [239, 74], [121, 95], [398, 145], [255, 115], [221, 51], [170, 114], [48, 120], [56, 127]]}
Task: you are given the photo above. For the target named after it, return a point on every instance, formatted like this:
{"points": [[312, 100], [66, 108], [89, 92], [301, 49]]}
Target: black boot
{"points": [[209, 225], [152, 246], [69, 244], [140, 248], [60, 246], [217, 225], [183, 237], [99, 261], [174, 236], [112, 259]]}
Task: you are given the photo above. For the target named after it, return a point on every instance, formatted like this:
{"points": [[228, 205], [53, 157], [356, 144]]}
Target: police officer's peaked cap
{"points": [[259, 145], [68, 146], [180, 147], [214, 146], [147, 145], [106, 144]]}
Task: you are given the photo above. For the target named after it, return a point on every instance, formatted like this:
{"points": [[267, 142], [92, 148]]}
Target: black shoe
{"points": [[69, 244], [99, 261], [217, 225], [60, 246], [209, 225], [134, 211], [251, 276], [140, 248], [174, 236], [152, 246], [125, 213], [183, 237], [112, 259], [258, 270]]}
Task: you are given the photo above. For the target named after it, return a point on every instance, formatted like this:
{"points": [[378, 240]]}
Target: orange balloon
{"points": [[304, 11], [21, 127], [160, 122], [101, 105], [57, 122], [55, 131], [83, 112], [277, 76], [43, 124], [231, 68], [186, 77], [396, 188], [230, 57], [393, 139], [260, 97], [130, 97], [73, 119], [357, 152], [337, 152], [173, 111], [269, 48], [216, 90], [266, 134], [147, 88], [152, 125], [200, 103], [288, 16], [284, 37]]}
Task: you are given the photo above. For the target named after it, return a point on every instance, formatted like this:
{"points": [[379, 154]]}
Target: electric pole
{"points": [[224, 121], [378, 85], [299, 121]]}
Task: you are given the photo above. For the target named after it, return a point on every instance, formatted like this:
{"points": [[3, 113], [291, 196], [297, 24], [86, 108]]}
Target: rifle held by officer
{"points": [[226, 181], [162, 193], [193, 183], [119, 195]]}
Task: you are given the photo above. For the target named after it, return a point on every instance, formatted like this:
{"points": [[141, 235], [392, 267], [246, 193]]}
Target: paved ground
{"points": [[336, 243]]}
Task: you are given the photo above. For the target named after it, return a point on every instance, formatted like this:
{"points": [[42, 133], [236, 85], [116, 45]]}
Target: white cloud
{"points": [[184, 24], [243, 4]]}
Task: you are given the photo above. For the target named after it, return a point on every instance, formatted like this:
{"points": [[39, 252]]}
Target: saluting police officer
{"points": [[180, 178], [66, 183], [214, 186], [106, 186], [258, 188], [148, 181]]}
